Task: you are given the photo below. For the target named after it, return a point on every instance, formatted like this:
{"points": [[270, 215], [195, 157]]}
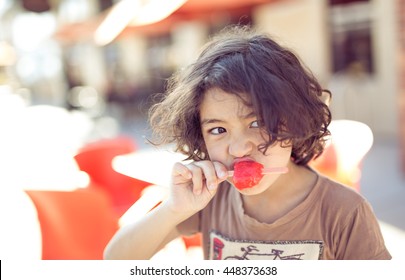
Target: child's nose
{"points": [[240, 146]]}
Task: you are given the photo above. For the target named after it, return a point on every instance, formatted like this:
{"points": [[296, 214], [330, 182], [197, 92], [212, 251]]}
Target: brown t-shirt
{"points": [[333, 222]]}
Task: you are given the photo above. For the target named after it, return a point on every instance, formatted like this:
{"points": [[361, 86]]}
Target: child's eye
{"points": [[217, 130], [255, 124]]}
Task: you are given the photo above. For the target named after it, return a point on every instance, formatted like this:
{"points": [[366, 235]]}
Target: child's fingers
{"points": [[209, 171], [201, 174], [182, 171], [190, 174], [221, 171], [198, 178]]}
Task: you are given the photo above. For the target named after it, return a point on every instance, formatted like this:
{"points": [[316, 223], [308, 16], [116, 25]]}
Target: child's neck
{"points": [[282, 197]]}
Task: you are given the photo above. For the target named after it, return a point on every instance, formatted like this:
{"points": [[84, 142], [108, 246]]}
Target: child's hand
{"points": [[194, 185]]}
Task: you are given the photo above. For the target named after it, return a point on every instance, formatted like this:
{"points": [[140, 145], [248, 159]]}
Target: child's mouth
{"points": [[248, 174]]}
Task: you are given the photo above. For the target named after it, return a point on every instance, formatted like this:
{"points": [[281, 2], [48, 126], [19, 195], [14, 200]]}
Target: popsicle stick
{"points": [[269, 170], [280, 170]]}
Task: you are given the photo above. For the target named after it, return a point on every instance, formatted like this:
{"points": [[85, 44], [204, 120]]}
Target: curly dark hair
{"points": [[285, 96]]}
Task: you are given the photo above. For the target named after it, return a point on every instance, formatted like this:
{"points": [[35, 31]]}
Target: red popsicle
{"points": [[247, 174]]}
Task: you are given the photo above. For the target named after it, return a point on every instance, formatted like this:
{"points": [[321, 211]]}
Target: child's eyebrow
{"points": [[211, 121], [249, 115], [215, 121]]}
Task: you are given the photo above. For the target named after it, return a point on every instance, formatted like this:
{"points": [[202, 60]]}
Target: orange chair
{"points": [[345, 151], [194, 240], [75, 225], [96, 160]]}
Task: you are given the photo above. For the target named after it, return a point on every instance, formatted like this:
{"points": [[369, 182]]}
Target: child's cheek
{"points": [[217, 152]]}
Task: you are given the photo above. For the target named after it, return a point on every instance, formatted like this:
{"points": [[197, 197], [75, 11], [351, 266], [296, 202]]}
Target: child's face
{"points": [[231, 133]]}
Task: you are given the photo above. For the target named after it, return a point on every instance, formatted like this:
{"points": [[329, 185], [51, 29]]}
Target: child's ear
{"points": [[204, 153], [326, 97]]}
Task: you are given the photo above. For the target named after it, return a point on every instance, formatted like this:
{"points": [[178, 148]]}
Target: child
{"points": [[246, 98]]}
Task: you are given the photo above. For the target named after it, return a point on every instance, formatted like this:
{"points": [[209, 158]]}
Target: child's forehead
{"points": [[217, 101]]}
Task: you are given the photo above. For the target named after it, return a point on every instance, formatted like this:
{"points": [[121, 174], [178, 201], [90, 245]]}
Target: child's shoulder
{"points": [[335, 193]]}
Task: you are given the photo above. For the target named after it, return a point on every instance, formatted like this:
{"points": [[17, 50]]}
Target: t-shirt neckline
{"points": [[291, 215]]}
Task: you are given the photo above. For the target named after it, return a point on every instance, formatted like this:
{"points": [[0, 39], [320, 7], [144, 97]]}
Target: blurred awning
{"points": [[202, 10]]}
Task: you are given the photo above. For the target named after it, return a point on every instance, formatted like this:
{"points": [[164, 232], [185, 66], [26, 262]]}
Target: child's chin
{"points": [[248, 191]]}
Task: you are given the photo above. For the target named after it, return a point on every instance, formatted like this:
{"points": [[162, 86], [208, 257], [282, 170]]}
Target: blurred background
{"points": [[77, 78]]}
